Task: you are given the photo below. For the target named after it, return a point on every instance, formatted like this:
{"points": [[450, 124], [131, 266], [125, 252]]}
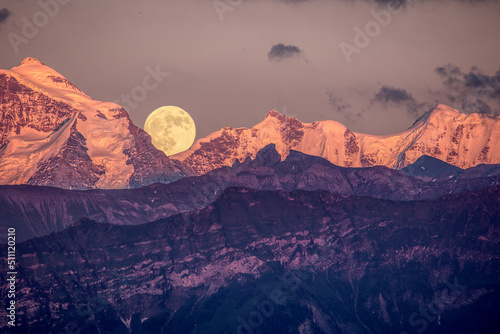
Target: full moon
{"points": [[172, 130]]}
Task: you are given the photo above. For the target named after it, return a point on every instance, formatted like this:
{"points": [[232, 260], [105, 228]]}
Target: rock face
{"points": [[53, 134], [443, 133], [273, 262], [37, 211]]}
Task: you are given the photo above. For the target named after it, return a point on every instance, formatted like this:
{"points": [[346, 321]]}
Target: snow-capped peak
{"points": [[277, 115], [439, 112], [443, 132], [51, 133], [42, 78], [442, 110], [30, 61]]}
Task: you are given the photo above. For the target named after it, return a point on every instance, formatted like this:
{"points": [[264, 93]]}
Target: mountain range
{"points": [[37, 211], [286, 227], [58, 136], [443, 133], [274, 262]]}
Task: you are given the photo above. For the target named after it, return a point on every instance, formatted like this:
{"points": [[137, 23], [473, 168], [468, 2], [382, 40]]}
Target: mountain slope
{"points": [[341, 264], [428, 167], [51, 133], [37, 211], [444, 133]]}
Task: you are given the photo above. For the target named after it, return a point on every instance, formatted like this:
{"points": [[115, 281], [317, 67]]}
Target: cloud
{"points": [[490, 84], [337, 103], [4, 14], [398, 97], [281, 51], [392, 3], [472, 91], [294, 1], [388, 94], [404, 3]]}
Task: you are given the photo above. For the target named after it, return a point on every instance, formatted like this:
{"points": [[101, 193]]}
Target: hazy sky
{"points": [[228, 62]]}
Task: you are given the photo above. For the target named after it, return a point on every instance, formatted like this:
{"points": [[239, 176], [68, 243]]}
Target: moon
{"points": [[171, 128]]}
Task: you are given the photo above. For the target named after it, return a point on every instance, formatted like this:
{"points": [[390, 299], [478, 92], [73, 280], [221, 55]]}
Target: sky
{"points": [[373, 65]]}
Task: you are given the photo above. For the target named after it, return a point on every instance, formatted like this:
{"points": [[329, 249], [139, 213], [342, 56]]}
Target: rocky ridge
{"points": [[37, 211], [443, 133]]}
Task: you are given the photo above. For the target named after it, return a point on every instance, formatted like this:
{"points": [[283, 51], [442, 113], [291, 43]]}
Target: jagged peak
{"points": [[268, 155], [279, 116], [275, 114], [276, 118], [439, 111], [442, 110], [31, 61]]}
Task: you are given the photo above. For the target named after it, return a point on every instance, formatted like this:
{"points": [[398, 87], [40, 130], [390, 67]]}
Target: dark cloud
{"points": [[488, 83], [340, 106], [281, 51], [471, 91], [399, 97], [397, 3], [337, 103], [4, 14], [476, 2], [388, 94], [294, 1], [393, 3], [452, 75]]}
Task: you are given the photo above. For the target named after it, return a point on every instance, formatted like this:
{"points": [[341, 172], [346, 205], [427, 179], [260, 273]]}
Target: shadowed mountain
{"points": [[273, 262], [427, 167], [37, 211]]}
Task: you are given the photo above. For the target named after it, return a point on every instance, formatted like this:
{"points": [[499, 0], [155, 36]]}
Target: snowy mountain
{"points": [[443, 133], [52, 133]]}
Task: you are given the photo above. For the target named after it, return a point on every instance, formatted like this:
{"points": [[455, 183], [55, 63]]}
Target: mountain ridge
{"points": [[444, 133], [350, 257], [37, 210], [48, 127]]}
